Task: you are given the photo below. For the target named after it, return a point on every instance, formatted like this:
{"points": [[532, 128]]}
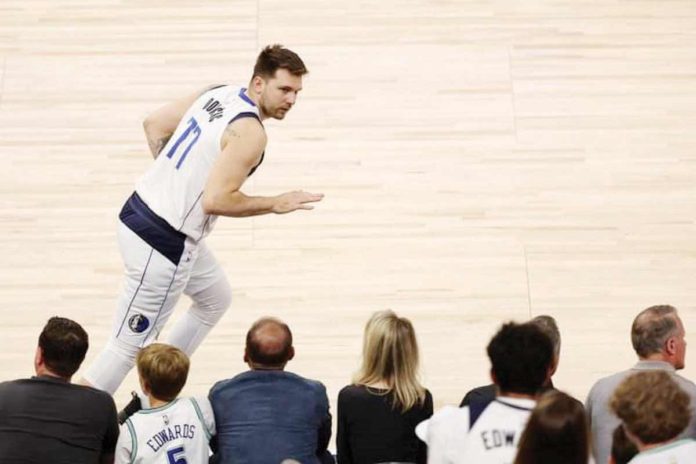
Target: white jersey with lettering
{"points": [[173, 186], [677, 452], [174, 433], [493, 439]]}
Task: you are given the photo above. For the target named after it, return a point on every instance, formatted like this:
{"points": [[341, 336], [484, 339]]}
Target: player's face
{"points": [[279, 94]]}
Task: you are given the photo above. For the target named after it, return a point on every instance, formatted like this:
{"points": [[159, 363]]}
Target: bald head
{"points": [[268, 344]]}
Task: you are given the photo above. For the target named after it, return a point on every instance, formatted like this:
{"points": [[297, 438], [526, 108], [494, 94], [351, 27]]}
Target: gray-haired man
{"points": [[657, 335]]}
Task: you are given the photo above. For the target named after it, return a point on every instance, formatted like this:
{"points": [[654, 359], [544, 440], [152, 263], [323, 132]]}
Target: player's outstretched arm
{"points": [[161, 123], [242, 146]]}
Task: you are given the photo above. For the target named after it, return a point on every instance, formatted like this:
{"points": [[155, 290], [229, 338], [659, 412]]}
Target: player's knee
{"points": [[123, 348], [211, 303]]}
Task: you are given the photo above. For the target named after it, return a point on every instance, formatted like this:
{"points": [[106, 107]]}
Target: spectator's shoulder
{"points": [[223, 384], [483, 393], [314, 384], [687, 384], [609, 381], [350, 391], [96, 395], [292, 377], [8, 384]]}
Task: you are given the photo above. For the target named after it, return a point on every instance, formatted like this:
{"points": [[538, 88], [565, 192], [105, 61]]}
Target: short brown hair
{"points": [[164, 369], [275, 57], [652, 327], [652, 406], [63, 344]]}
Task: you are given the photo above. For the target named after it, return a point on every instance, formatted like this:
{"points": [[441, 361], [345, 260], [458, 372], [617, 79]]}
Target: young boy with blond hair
{"points": [[173, 430]]}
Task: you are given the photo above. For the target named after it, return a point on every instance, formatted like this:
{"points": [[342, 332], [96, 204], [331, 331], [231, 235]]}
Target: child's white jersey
{"points": [[492, 439], [173, 186], [677, 452], [178, 432]]}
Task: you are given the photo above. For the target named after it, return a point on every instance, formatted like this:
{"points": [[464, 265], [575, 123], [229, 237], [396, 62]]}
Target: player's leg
{"points": [[211, 295], [152, 286]]}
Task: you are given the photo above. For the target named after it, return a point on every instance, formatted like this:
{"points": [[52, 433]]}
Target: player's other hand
{"points": [[291, 201]]}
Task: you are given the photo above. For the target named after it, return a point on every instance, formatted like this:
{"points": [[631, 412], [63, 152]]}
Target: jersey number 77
{"points": [[192, 132]]}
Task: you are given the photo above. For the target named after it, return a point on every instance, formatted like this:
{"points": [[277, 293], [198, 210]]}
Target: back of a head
{"points": [[390, 356], [269, 344], [64, 344], [275, 57], [651, 328], [652, 406], [164, 369], [548, 325], [520, 355], [622, 449], [556, 433]]}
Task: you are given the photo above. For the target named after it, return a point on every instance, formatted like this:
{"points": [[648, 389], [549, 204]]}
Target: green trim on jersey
{"points": [[208, 434], [161, 408], [134, 441]]}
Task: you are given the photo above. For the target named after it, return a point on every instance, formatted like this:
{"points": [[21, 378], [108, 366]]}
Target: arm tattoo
{"points": [[157, 145], [231, 132]]}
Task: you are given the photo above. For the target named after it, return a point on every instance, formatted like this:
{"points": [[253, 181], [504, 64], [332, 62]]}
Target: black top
{"points": [[487, 394], [47, 419], [371, 430]]}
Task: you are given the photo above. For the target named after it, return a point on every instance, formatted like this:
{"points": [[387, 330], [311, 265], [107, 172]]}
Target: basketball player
{"points": [[205, 146], [172, 430]]}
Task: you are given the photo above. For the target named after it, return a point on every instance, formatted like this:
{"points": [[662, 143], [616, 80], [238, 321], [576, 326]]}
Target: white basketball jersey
{"points": [[175, 433], [173, 186], [492, 440]]}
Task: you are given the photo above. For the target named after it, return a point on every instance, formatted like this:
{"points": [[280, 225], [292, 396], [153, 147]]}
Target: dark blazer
{"points": [[487, 394], [268, 416]]}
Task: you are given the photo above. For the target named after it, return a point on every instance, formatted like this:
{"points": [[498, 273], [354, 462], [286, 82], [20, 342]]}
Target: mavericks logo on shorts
{"points": [[138, 323]]}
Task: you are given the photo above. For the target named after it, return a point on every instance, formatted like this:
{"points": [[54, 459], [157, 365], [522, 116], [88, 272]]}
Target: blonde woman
{"points": [[379, 411]]}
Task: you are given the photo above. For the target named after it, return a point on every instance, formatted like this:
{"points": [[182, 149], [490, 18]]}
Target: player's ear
{"points": [[291, 353], [246, 356], [258, 83]]}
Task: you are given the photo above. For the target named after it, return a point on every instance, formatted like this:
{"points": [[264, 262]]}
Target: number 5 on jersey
{"points": [[192, 132], [175, 455]]}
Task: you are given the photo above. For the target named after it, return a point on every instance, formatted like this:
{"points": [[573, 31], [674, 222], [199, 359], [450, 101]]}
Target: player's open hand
{"points": [[291, 201]]}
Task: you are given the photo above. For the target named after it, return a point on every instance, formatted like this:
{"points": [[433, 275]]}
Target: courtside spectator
{"points": [[657, 335], [267, 415], [47, 419], [172, 429], [378, 413], [655, 411], [548, 325], [556, 433], [488, 433]]}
